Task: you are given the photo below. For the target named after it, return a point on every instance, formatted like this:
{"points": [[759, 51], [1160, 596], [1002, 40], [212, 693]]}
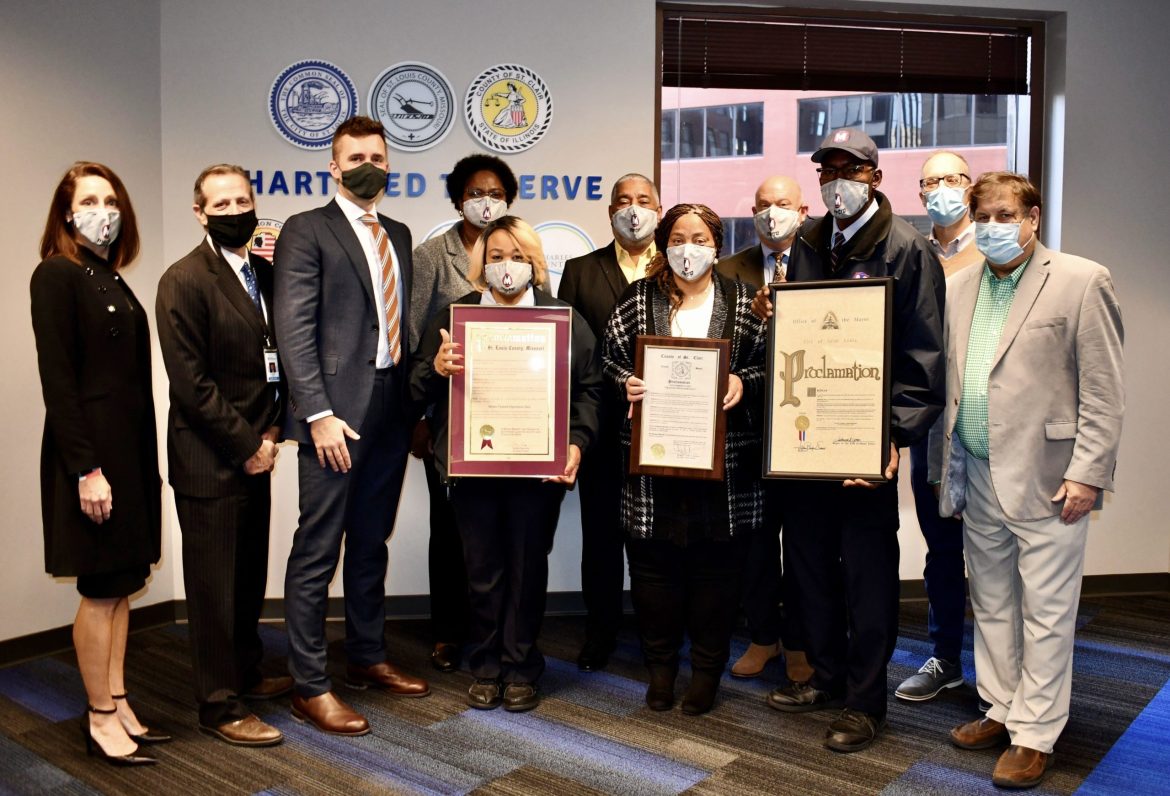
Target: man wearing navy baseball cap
{"points": [[841, 538]]}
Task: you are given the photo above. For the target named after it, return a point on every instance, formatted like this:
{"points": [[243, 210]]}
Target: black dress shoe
{"points": [[484, 695], [801, 698], [594, 656], [660, 694], [445, 657], [700, 696], [519, 697], [94, 748], [147, 736], [853, 731]]}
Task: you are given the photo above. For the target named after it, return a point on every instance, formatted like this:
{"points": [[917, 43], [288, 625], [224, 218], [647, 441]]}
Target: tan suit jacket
{"points": [[1055, 393]]}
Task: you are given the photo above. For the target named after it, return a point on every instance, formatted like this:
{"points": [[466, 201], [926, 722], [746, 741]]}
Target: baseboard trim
{"points": [[417, 606]]}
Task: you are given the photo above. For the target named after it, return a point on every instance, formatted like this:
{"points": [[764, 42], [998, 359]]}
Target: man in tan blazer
{"points": [[1028, 441]]}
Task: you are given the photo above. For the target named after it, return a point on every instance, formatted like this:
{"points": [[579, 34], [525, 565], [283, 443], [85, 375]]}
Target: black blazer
{"points": [[93, 354], [585, 388], [746, 266], [213, 339], [327, 316], [592, 284]]}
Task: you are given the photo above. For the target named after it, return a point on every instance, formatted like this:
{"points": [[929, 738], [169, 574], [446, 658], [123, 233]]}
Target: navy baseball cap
{"points": [[851, 140]]}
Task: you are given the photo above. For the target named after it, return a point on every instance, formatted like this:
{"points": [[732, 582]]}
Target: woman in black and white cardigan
{"points": [[687, 539]]}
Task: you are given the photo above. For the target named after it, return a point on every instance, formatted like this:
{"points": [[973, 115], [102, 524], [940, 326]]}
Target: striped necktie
{"points": [[835, 254], [389, 285], [782, 275]]}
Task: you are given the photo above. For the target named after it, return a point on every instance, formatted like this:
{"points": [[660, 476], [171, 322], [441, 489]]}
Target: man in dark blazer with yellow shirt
{"points": [[214, 310], [343, 280], [592, 284]]}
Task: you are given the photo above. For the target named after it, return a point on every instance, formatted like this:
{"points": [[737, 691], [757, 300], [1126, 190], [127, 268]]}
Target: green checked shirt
{"points": [[991, 311]]}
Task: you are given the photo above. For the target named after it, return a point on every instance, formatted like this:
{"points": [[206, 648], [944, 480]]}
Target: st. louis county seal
{"points": [[308, 102], [415, 103], [508, 108]]}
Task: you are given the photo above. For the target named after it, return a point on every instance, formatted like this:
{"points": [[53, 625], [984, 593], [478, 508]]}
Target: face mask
{"points": [[690, 261], [508, 277], [99, 227], [365, 181], [776, 223], [480, 212], [634, 223], [999, 243], [945, 205], [845, 198], [234, 231]]}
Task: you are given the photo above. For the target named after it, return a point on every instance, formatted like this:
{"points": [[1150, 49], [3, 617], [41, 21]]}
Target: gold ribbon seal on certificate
{"points": [[802, 423], [485, 434]]}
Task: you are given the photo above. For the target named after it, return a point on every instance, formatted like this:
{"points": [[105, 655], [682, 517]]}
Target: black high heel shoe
{"points": [[147, 737], [132, 759]]}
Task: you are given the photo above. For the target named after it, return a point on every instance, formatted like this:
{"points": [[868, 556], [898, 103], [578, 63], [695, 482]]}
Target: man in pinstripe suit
{"points": [[215, 331]]}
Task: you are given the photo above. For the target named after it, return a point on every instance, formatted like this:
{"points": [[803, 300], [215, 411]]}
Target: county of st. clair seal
{"points": [[508, 108], [681, 370], [308, 102], [657, 450], [415, 103]]}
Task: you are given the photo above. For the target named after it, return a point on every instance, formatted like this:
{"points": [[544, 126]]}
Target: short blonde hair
{"points": [[524, 236]]}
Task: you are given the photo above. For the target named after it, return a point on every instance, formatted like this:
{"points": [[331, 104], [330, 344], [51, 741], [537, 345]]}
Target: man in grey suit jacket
{"points": [[342, 304], [1029, 438], [214, 308]]}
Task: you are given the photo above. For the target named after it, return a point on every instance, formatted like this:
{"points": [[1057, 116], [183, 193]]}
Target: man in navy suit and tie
{"points": [[214, 310], [342, 292]]}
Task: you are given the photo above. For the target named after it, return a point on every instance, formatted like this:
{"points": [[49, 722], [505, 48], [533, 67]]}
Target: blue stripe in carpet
{"points": [[597, 762], [601, 691], [45, 686], [24, 773], [1138, 762]]}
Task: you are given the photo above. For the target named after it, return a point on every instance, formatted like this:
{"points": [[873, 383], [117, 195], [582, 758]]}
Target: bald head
{"points": [[780, 191], [940, 164]]}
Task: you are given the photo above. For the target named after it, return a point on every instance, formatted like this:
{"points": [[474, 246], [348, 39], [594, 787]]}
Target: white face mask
{"points": [[945, 205], [634, 223], [482, 211], [508, 277], [690, 261], [776, 223], [845, 198], [100, 226]]}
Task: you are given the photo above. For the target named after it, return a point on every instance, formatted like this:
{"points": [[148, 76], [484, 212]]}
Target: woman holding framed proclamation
{"points": [[506, 523], [687, 539]]}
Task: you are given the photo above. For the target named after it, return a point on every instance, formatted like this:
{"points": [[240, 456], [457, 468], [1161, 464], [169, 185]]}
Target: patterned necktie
{"points": [[771, 272], [250, 284], [389, 285], [783, 275], [835, 254]]}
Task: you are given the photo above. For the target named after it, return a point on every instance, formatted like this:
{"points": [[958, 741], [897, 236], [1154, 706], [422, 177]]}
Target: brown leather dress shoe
{"points": [[329, 714], [270, 688], [982, 733], [752, 662], [248, 731], [386, 677], [1020, 767]]}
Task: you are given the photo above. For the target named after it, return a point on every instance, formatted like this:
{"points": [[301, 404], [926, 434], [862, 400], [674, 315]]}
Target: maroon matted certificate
{"points": [[509, 413]]}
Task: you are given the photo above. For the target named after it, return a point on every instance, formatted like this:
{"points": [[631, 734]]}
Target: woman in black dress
{"points": [[93, 352], [688, 539]]}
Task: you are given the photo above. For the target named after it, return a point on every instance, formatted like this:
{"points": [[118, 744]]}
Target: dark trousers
{"points": [[359, 505], [507, 526], [944, 572], [448, 573], [225, 569], [602, 539], [762, 577], [693, 590], [841, 553]]}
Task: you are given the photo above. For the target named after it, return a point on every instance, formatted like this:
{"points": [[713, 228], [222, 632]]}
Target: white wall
{"points": [[172, 88], [80, 82]]}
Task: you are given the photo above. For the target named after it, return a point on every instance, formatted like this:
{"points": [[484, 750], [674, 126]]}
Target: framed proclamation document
{"points": [[679, 426], [829, 356], [509, 412]]}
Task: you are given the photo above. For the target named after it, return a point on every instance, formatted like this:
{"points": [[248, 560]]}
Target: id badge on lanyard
{"points": [[271, 364]]}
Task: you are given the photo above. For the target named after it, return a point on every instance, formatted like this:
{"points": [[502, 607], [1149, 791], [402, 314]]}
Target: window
{"points": [[738, 234], [908, 121], [722, 131]]}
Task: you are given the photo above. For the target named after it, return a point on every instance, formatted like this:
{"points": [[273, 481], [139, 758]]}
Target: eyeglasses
{"points": [[951, 180], [476, 193], [849, 172]]}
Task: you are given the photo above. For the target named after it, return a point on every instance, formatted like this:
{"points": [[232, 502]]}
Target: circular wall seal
{"points": [[508, 108], [561, 241], [415, 103], [308, 102], [263, 240]]}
